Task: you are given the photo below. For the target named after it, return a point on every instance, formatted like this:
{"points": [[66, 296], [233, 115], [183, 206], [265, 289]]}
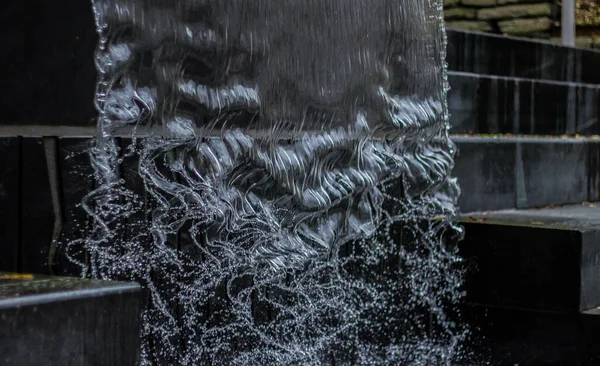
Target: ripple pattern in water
{"points": [[285, 194]]}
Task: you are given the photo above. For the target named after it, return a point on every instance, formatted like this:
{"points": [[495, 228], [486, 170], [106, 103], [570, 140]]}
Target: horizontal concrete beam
{"points": [[129, 132]]}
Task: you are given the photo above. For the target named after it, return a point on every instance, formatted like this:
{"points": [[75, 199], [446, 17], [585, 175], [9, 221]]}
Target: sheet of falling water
{"points": [[281, 188]]}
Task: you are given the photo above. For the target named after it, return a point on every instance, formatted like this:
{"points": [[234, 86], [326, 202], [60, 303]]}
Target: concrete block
{"points": [[491, 54], [58, 321], [543, 260], [485, 169], [551, 172]]}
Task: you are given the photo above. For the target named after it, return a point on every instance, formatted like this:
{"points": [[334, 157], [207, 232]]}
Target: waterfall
{"points": [[276, 175]]}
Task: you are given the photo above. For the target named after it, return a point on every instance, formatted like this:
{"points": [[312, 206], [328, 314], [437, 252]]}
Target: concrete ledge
{"points": [[490, 54], [506, 172], [483, 104], [544, 260], [68, 321]]}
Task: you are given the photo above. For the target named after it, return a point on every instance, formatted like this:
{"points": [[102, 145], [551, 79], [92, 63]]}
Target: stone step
{"points": [[519, 337], [68, 321], [499, 172], [484, 104], [490, 54], [544, 260]]}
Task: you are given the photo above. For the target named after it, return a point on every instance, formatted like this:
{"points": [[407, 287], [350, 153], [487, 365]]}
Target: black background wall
{"points": [[48, 79], [46, 58]]}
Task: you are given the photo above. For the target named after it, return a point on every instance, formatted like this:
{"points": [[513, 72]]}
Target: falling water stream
{"points": [[276, 174]]}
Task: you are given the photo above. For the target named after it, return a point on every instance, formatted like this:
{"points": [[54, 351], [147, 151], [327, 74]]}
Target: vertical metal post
{"points": [[567, 23]]}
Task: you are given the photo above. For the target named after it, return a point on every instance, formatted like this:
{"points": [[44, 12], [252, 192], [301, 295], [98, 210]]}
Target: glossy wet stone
{"points": [[483, 104], [68, 321], [490, 54], [545, 259], [507, 172], [552, 173], [486, 174]]}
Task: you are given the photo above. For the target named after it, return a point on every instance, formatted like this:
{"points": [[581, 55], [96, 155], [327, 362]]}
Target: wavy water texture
{"points": [[284, 195]]}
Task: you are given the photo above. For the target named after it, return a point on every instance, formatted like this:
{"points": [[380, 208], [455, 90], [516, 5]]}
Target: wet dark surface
{"points": [[487, 172], [533, 285], [508, 56], [542, 259], [552, 173], [48, 73], [68, 321], [593, 168], [18, 290], [504, 172], [489, 104]]}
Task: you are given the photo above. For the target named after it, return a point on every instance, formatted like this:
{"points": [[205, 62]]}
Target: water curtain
{"points": [[276, 174]]}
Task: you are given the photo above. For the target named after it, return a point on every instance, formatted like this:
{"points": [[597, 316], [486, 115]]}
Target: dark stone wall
{"points": [[48, 72], [42, 184], [59, 321], [48, 79], [490, 54]]}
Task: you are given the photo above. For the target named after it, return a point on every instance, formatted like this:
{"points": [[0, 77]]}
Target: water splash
{"points": [[284, 194]]}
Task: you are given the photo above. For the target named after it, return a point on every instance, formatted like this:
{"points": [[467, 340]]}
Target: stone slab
{"points": [[470, 25], [486, 175], [515, 11], [491, 54], [547, 259], [593, 168], [68, 321], [525, 26], [460, 13], [551, 173], [507, 172]]}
